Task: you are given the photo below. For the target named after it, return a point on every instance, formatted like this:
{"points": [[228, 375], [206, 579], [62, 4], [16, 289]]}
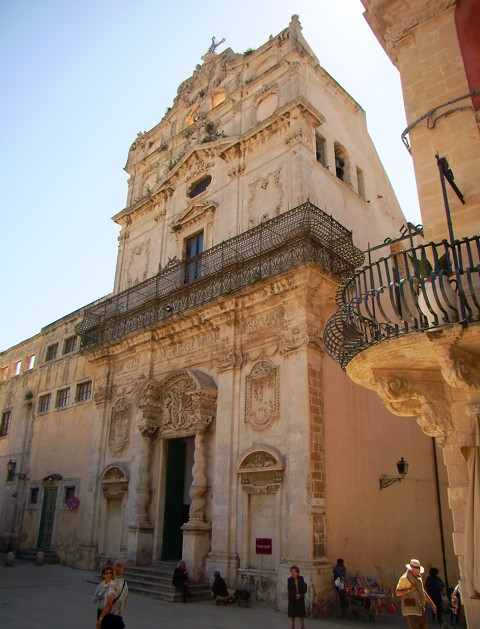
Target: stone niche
{"points": [[260, 470]]}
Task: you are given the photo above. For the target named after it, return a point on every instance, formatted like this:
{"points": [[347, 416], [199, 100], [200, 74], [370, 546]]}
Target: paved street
{"points": [[58, 597]]}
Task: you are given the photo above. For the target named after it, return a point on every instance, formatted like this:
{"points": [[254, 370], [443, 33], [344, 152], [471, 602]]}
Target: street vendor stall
{"points": [[366, 600]]}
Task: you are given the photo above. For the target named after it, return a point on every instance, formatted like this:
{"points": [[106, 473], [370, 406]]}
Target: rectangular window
{"points": [[33, 495], [12, 466], [51, 353], [31, 361], [361, 183], [44, 403], [84, 391], [63, 398], [69, 492], [5, 425], [70, 345], [3, 373], [18, 368], [193, 254], [320, 150]]}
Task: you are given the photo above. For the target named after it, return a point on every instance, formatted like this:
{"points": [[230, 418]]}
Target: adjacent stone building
{"points": [[420, 349], [193, 412]]}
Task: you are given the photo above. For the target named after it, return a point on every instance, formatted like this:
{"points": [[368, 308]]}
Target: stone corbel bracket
{"points": [[423, 397]]}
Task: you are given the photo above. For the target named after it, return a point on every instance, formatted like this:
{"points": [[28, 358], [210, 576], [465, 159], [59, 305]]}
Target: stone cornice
{"points": [[395, 20]]}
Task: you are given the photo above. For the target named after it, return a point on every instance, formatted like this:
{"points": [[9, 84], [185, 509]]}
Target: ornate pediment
{"points": [[193, 213]]}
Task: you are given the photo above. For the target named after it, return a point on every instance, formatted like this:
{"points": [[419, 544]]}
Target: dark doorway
{"points": [[47, 518], [176, 513]]}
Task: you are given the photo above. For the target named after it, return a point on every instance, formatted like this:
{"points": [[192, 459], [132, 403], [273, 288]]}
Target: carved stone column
{"points": [[199, 484], [140, 542], [197, 532]]}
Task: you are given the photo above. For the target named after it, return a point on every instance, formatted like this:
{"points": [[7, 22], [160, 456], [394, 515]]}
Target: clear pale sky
{"points": [[80, 79]]}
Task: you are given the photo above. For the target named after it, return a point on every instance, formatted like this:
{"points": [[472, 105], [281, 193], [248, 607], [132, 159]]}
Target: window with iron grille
{"points": [[51, 352], [5, 425], [84, 391], [70, 345], [63, 397], [44, 403]]}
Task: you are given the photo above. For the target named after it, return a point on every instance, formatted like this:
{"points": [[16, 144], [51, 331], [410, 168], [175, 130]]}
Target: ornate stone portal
{"points": [[181, 406]]}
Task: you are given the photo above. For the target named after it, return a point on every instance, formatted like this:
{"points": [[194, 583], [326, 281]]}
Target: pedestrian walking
{"points": [[297, 588], [413, 596], [434, 586], [112, 614], [100, 595]]}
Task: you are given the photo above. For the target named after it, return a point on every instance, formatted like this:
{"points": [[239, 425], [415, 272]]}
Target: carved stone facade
{"points": [[224, 423]]}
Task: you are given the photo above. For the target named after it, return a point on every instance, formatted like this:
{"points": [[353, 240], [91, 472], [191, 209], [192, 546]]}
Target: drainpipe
{"points": [[440, 518]]}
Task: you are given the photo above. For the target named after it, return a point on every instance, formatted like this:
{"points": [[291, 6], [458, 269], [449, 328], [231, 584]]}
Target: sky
{"points": [[79, 80]]}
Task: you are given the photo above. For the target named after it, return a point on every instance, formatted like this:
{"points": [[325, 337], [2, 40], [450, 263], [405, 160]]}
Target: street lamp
{"points": [[11, 474], [386, 481]]}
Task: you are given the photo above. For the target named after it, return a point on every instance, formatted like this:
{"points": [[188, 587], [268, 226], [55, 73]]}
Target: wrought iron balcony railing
{"points": [[303, 234], [426, 287]]}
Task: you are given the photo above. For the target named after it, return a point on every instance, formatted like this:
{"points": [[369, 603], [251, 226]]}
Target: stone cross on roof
{"points": [[214, 45]]}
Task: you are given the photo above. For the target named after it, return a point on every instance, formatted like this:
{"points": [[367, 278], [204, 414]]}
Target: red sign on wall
{"points": [[263, 545]]}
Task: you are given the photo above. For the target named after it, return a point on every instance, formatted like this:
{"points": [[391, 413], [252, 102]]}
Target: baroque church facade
{"points": [[193, 412]]}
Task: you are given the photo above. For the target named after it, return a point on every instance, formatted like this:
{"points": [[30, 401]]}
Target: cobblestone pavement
{"points": [[59, 597]]}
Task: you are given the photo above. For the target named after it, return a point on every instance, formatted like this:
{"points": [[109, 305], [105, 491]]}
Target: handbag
{"points": [[112, 621]]}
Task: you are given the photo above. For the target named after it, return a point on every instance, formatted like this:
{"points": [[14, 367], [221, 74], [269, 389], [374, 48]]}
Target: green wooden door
{"points": [[174, 517], [47, 518]]}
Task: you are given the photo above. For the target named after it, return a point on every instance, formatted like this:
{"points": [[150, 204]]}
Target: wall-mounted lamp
{"points": [[167, 308], [386, 481], [11, 474]]}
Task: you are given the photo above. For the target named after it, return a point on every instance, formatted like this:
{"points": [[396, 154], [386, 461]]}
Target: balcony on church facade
{"points": [[428, 288], [303, 234]]}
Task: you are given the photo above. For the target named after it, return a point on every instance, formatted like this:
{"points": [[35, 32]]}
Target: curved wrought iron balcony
{"points": [[302, 234], [423, 288]]}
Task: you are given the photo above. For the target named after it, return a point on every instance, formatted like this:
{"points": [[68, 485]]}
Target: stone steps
{"points": [[156, 581], [30, 554]]}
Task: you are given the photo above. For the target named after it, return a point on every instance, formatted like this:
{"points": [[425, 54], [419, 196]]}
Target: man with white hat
{"points": [[413, 596]]}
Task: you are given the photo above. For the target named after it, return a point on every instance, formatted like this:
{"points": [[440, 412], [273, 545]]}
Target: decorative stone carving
{"points": [[262, 395], [189, 402], [148, 395], [298, 337], [410, 19], [228, 358], [259, 460], [195, 211], [103, 393], [261, 469], [119, 432], [198, 488], [424, 398], [114, 482]]}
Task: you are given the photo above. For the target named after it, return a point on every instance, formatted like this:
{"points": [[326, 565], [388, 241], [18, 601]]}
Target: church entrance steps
{"points": [[156, 581], [30, 554]]}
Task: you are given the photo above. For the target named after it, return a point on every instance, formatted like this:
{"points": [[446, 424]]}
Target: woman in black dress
{"points": [[297, 588]]}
